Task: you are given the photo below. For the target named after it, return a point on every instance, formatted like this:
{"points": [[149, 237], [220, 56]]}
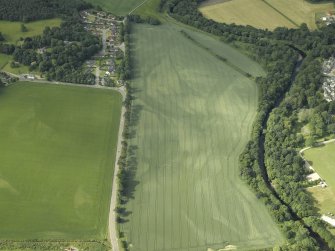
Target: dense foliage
{"points": [[278, 176], [23, 10], [124, 69], [68, 46]]}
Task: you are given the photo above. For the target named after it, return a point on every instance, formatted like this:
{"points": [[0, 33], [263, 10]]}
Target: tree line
{"points": [[31, 10]]}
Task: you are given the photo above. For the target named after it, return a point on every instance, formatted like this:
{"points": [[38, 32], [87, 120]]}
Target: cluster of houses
{"points": [[329, 81], [329, 18], [107, 27]]}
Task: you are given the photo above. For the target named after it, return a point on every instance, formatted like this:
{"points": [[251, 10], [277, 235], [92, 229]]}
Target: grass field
{"points": [[117, 7], [12, 30], [323, 161], [57, 156], [149, 8], [4, 59], [22, 69], [265, 13], [192, 118]]}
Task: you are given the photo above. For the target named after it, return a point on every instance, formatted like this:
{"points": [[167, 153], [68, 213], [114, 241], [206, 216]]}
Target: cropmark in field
{"points": [[192, 116]]}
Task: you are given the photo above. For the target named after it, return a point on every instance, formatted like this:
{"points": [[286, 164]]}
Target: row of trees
{"points": [[124, 69], [278, 178], [149, 20]]}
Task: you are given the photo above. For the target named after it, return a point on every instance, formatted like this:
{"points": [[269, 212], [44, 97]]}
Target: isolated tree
{"points": [[2, 37], [2, 84], [24, 28]]}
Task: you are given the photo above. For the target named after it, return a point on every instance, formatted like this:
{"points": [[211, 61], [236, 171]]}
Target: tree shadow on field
{"points": [[134, 111], [129, 184], [134, 120], [134, 60]]}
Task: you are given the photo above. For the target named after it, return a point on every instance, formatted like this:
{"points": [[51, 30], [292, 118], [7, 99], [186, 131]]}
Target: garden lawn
{"points": [[323, 161], [12, 30], [58, 146], [192, 116], [4, 59]]}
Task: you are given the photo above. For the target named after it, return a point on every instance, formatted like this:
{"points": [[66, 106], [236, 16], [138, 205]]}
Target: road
{"points": [[112, 222]]}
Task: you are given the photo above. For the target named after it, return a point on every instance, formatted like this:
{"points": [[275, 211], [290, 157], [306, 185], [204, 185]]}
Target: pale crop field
{"points": [[192, 116], [265, 14], [301, 11], [245, 12], [58, 146]]}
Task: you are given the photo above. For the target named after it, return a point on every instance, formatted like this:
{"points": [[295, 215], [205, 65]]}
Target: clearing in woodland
{"points": [[265, 14], [12, 30], [191, 119], [117, 7], [58, 146]]}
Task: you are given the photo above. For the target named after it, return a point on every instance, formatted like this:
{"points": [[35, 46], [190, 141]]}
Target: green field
{"points": [[4, 59], [57, 158], [267, 14], [323, 161], [192, 118], [149, 8], [12, 30], [117, 7]]}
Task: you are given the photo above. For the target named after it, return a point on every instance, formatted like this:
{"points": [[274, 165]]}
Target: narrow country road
{"points": [[112, 222], [97, 75]]}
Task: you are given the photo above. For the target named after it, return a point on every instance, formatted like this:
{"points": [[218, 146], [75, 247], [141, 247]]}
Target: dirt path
{"points": [[137, 7], [317, 144], [313, 176], [112, 222], [97, 76]]}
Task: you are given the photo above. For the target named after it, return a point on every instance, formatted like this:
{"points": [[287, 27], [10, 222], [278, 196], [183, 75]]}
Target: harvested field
{"points": [[265, 14]]}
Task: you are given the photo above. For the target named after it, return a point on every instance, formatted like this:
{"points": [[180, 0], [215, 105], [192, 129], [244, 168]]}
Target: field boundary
{"points": [[224, 60], [281, 13]]}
